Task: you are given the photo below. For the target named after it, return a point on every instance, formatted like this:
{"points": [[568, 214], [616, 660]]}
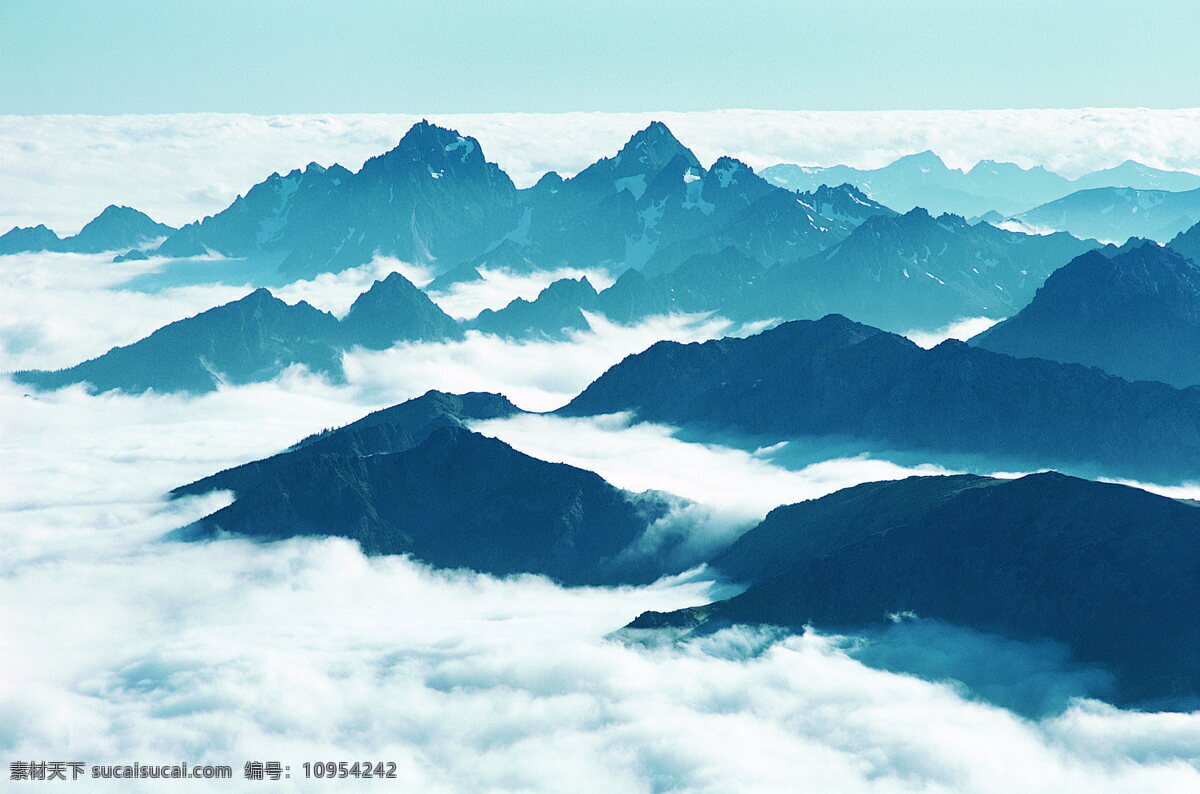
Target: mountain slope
{"points": [[1187, 243], [396, 429], [1136, 315], [911, 271], [1118, 213], [834, 377], [250, 339], [413, 480], [1112, 572]]}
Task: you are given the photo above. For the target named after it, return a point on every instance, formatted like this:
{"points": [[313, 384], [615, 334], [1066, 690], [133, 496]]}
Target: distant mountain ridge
{"points": [[1111, 213], [924, 180], [113, 229]]}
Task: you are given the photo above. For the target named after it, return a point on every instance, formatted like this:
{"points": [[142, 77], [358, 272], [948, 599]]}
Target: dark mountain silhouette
{"points": [[1136, 314], [412, 480], [837, 378], [254, 339], [1111, 572], [113, 229], [395, 429]]}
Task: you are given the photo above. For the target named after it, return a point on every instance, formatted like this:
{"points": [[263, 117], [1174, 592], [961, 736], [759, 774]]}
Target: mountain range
{"points": [[1110, 572], [1135, 314], [924, 180], [899, 272], [839, 380], [435, 200], [254, 339]]}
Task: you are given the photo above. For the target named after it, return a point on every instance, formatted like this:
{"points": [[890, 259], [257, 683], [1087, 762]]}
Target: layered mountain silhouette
{"points": [[1111, 213], [113, 229], [924, 180], [254, 339], [838, 379], [412, 479], [897, 272], [1109, 571], [911, 271], [1135, 314]]}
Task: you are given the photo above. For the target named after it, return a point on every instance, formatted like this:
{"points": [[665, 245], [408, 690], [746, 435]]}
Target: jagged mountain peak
{"points": [[727, 170], [651, 149], [431, 145]]}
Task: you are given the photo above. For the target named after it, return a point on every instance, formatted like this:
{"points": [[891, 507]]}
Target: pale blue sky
{"points": [[438, 56]]}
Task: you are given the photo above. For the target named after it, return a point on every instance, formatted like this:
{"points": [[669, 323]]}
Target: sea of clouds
{"points": [[118, 647], [62, 170]]}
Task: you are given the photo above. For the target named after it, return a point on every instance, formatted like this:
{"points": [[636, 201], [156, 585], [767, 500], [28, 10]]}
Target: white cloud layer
{"points": [[734, 488], [62, 170], [122, 648], [962, 329]]}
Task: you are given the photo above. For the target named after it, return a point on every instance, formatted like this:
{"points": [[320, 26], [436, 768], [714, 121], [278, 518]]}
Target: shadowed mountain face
{"points": [[923, 180], [1136, 314], [113, 229], [413, 480], [1187, 244], [395, 429], [1109, 571], [834, 377], [256, 338], [1118, 213]]}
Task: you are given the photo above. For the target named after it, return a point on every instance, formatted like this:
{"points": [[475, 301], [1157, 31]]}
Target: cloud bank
{"points": [[62, 170], [124, 647]]}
